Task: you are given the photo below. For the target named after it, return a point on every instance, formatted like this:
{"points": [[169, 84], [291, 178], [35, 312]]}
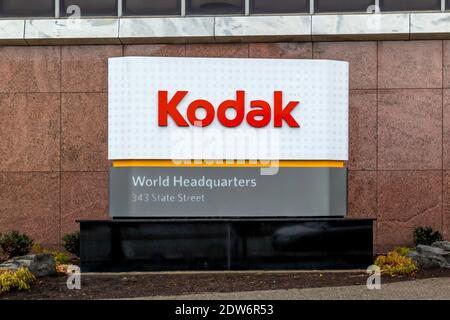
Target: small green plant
{"points": [[20, 279], [426, 236], [15, 244], [61, 258], [396, 264], [72, 243], [38, 249], [403, 251]]}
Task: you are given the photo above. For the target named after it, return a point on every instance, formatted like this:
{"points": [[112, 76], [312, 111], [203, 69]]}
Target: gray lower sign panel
{"points": [[226, 192]]}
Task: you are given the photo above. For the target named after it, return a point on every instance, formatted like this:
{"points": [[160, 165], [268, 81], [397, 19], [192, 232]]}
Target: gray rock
{"points": [[428, 250], [435, 256], [427, 262], [445, 245], [40, 265]]}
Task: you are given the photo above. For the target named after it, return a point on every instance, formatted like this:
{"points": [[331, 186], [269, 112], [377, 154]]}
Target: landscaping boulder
{"points": [[40, 265], [445, 245], [435, 256]]}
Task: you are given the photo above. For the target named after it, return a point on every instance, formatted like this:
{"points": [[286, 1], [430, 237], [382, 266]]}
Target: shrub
{"points": [[72, 243], [395, 264], [38, 249], [20, 279], [61, 261], [61, 258], [62, 268], [403, 251], [426, 236], [15, 244]]}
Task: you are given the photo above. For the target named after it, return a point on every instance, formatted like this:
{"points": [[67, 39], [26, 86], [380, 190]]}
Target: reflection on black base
{"points": [[225, 244]]}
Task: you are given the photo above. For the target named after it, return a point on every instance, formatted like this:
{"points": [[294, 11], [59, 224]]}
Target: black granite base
{"points": [[225, 244]]}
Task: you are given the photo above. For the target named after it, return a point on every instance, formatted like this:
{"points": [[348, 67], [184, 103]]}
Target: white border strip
{"points": [[304, 27]]}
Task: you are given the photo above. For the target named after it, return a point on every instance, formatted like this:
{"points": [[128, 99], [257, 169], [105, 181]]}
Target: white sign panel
{"points": [[226, 108]]}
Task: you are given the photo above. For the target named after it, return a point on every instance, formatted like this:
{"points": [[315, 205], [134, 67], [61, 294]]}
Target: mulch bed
{"points": [[139, 285]]}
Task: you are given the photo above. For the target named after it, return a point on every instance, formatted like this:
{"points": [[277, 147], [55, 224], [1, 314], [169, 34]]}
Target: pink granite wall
{"points": [[53, 131]]}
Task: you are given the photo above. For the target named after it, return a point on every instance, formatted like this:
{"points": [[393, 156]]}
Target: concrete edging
{"points": [[220, 29]]}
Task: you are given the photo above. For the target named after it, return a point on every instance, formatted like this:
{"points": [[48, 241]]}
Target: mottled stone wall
{"points": [[53, 131]]}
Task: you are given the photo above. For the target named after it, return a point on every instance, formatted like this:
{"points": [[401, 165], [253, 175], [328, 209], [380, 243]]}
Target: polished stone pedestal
{"points": [[225, 244]]}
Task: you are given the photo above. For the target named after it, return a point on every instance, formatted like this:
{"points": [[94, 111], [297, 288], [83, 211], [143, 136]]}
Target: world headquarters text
{"points": [[192, 182]]}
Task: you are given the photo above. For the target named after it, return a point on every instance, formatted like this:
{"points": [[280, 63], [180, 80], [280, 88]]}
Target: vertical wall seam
{"points": [[442, 140], [60, 144], [119, 22], [376, 245]]}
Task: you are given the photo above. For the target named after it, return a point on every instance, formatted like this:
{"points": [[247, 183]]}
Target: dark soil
{"points": [[139, 285]]}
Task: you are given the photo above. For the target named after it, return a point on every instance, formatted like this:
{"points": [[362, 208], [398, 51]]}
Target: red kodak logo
{"points": [[259, 115]]}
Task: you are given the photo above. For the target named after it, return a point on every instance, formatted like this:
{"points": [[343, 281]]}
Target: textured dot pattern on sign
{"points": [[321, 86]]}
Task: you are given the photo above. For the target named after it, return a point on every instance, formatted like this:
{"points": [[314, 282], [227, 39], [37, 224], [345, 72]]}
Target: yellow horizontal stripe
{"points": [[213, 163]]}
